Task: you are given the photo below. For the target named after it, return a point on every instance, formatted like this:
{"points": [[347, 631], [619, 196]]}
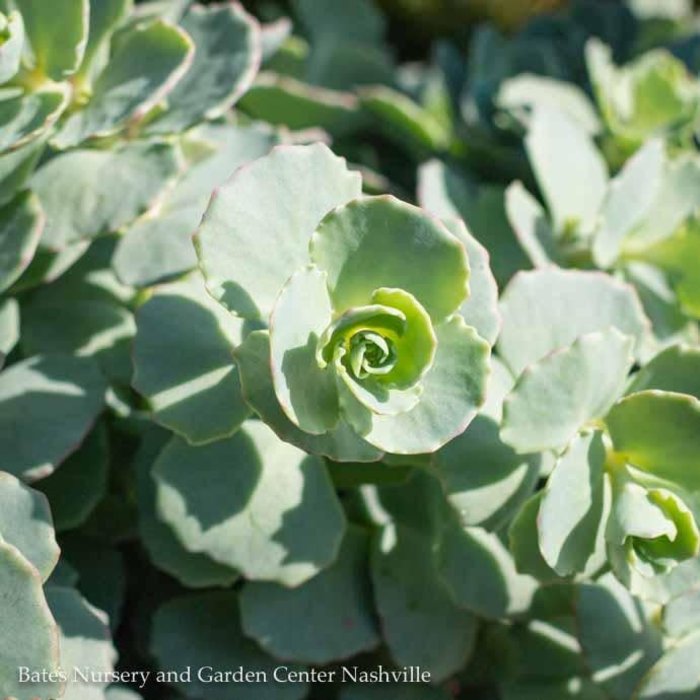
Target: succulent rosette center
{"points": [[652, 529]]}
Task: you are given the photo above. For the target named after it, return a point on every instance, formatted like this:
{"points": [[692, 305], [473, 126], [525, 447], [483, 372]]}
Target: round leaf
{"points": [[326, 619], [381, 242], [233, 500], [256, 231], [189, 376], [57, 395]]}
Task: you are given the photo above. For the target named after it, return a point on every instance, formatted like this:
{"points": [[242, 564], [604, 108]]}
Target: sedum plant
{"points": [[259, 410], [362, 348]]}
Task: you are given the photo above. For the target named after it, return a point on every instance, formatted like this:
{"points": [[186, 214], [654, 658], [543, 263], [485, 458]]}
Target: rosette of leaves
{"points": [[625, 454], [639, 223], [364, 350], [653, 96]]}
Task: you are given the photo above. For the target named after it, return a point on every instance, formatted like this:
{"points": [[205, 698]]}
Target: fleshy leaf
{"points": [[480, 573], [381, 242], [105, 16], [227, 56], [573, 505], [25, 523], [86, 193], [159, 244], [22, 222], [545, 310], [619, 640], [11, 47], [144, 68], [30, 637], [573, 179], [523, 541], [306, 391], [26, 117], [165, 550], [257, 229], [659, 433], [59, 395], [530, 225], [76, 488], [341, 444], [232, 499], [9, 327], [676, 369], [57, 47], [184, 364], [453, 390], [628, 201], [84, 640], [334, 609], [675, 674], [421, 624], [567, 389], [480, 309], [203, 631]]}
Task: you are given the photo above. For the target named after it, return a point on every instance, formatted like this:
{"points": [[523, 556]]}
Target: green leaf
{"points": [[675, 675], [403, 120], [77, 487], [144, 68], [573, 179], [659, 433], [448, 193], [159, 244], [681, 615], [628, 202], [233, 499], [381, 242], [480, 309], [523, 542], [25, 523], [101, 573], [421, 624], [566, 390], [84, 640], [21, 224], [484, 479], [620, 642], [57, 47], [190, 379], [61, 394], [306, 391], [29, 637], [522, 94], [11, 47], [16, 167], [254, 363], [571, 514], [285, 101], [676, 369], [26, 117], [87, 193], [105, 16], [9, 327], [164, 549], [227, 56], [248, 221], [327, 619], [203, 631], [545, 310], [493, 588], [531, 226], [453, 390]]}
